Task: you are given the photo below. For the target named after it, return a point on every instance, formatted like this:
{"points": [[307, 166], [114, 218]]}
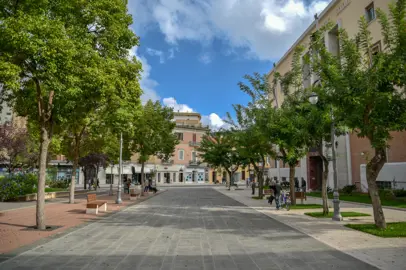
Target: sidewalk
{"points": [[13, 223], [384, 253]]}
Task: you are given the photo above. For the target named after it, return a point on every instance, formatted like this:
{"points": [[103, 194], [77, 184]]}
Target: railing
{"points": [[192, 143], [194, 162], [167, 162]]}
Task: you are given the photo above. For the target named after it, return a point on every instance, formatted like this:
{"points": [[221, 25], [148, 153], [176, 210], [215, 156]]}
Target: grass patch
{"points": [[396, 229], [364, 198], [305, 206], [343, 214]]}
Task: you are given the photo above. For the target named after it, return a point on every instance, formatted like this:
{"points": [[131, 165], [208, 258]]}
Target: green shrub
{"points": [[399, 193], [16, 185], [59, 184], [386, 194], [349, 189]]}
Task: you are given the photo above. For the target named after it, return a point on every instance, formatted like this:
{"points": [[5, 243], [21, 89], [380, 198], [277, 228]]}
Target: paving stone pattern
{"points": [[185, 228]]}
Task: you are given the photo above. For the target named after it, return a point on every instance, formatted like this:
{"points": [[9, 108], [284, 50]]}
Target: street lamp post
{"points": [[120, 165], [336, 198]]}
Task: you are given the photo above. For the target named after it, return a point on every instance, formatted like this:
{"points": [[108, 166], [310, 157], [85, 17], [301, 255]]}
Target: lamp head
{"points": [[313, 98]]}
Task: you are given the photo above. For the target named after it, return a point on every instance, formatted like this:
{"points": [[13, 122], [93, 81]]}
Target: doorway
{"points": [[167, 178], [180, 177], [214, 177], [315, 172]]}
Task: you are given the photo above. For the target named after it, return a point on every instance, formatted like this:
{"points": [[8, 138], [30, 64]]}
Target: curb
{"points": [[365, 204], [21, 250]]}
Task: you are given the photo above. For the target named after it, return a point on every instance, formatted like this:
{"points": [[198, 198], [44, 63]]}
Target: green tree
{"points": [[368, 90], [219, 150], [46, 49], [254, 143], [153, 135]]}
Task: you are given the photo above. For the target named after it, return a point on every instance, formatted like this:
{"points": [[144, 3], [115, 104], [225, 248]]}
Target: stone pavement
{"points": [[385, 253], [14, 223], [195, 228]]}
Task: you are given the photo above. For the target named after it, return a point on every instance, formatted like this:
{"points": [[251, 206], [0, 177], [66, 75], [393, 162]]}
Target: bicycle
{"points": [[285, 200]]}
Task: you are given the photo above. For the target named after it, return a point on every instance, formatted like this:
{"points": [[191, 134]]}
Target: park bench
{"points": [[300, 195], [133, 195], [93, 205]]}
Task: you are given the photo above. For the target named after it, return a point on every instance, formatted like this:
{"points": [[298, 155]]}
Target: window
{"points": [[194, 137], [370, 12], [194, 156], [375, 49], [181, 154], [179, 136]]}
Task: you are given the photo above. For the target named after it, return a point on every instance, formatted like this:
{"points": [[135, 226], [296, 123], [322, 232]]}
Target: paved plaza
{"points": [[185, 228]]}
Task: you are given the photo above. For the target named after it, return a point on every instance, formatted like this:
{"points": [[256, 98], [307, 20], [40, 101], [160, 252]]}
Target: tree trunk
{"points": [[142, 179], [292, 183], [324, 195], [44, 144], [372, 170], [73, 177], [260, 184], [230, 175]]}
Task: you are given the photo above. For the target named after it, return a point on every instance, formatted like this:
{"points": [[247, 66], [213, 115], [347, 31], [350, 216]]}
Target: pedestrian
{"points": [[253, 186], [278, 189], [98, 183], [248, 182], [272, 187]]}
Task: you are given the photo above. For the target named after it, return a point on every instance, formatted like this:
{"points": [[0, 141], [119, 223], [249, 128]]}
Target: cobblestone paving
{"points": [[185, 228]]}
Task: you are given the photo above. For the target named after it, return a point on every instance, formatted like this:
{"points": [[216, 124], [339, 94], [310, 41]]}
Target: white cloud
{"points": [[266, 28], [205, 58], [172, 103], [171, 52], [147, 84], [212, 120], [158, 53]]}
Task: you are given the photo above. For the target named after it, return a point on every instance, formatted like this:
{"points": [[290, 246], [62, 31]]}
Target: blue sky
{"points": [[194, 52]]}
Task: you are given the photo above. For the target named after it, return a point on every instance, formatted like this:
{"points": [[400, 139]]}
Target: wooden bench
{"points": [[93, 205], [300, 195], [133, 195]]}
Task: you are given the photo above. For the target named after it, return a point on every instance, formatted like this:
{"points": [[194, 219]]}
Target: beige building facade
{"points": [[352, 151]]}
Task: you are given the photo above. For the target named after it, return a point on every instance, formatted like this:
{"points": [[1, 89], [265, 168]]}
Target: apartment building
{"points": [[351, 151]]}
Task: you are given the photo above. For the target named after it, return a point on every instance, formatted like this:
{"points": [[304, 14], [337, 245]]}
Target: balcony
{"points": [[167, 162], [194, 144], [194, 162]]}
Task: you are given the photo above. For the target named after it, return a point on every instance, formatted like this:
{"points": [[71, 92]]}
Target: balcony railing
{"points": [[167, 162], [194, 144], [194, 162]]}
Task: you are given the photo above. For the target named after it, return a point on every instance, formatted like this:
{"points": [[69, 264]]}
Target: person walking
{"points": [[278, 189], [272, 187], [253, 186]]}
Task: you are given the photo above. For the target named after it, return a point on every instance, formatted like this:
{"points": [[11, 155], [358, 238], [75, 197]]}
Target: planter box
{"points": [[48, 195]]}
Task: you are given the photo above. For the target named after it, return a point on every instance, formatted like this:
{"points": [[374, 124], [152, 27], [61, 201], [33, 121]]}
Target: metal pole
{"points": [[111, 180], [336, 200], [119, 201]]}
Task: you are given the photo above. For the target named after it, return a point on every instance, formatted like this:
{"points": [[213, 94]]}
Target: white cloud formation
{"points": [[266, 28], [158, 53], [147, 84], [212, 120], [172, 103], [205, 58]]}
